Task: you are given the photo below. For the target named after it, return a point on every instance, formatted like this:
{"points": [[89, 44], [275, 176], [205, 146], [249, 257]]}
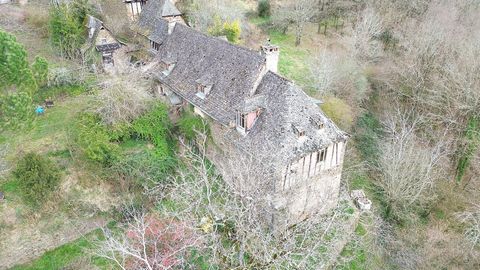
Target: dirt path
{"points": [[26, 243]]}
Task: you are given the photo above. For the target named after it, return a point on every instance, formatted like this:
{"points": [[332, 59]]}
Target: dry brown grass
{"points": [[37, 18]]}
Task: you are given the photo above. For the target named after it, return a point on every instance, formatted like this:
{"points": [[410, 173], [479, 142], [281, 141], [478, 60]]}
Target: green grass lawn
{"points": [[68, 254], [294, 61]]}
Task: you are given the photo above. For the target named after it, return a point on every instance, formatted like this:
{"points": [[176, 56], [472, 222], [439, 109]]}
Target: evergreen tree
{"points": [[13, 61]]}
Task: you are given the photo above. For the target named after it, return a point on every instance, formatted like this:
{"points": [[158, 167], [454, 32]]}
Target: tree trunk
{"points": [[298, 34], [322, 8]]}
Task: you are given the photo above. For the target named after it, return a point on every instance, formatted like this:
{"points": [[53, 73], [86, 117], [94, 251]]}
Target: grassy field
{"points": [[77, 204], [74, 255]]}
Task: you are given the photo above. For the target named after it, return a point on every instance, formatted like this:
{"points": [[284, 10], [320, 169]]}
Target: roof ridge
{"points": [[246, 49]]}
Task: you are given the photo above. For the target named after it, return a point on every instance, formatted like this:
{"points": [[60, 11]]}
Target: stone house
{"points": [[103, 40], [157, 20], [295, 152], [134, 8]]}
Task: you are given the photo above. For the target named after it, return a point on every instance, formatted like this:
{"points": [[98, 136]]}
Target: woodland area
{"points": [[107, 179]]}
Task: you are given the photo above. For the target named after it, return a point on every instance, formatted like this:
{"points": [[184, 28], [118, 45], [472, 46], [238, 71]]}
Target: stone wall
{"points": [[308, 196]]}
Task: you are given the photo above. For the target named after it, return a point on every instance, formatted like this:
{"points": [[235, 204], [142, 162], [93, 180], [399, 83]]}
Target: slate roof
{"points": [[231, 70], [284, 107], [151, 19], [108, 47], [154, 10], [241, 83], [93, 23]]}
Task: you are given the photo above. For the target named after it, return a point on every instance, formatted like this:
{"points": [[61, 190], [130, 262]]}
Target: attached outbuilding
{"points": [[103, 40]]}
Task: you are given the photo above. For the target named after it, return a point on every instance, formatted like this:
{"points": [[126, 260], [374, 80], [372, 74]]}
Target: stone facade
{"points": [[271, 141]]}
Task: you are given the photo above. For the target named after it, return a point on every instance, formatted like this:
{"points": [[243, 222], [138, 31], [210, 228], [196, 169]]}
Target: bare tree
{"points": [[147, 242], [230, 203], [124, 98], [363, 43], [407, 167], [298, 13], [471, 220], [339, 75]]}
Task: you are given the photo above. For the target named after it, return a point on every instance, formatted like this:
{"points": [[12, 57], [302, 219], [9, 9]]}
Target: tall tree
{"points": [[297, 13], [13, 61]]}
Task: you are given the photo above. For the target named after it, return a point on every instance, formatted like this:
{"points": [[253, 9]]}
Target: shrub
{"points": [[66, 30], [16, 110], [94, 139], [145, 168], [231, 30], [190, 124], [367, 132], [468, 150], [122, 102], [14, 69], [155, 126], [13, 61], [38, 177], [40, 70], [264, 8], [338, 111]]}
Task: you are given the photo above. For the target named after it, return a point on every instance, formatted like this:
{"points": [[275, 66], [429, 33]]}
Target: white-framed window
{"points": [[246, 121]]}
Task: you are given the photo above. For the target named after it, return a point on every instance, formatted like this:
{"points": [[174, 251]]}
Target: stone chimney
{"points": [[271, 53], [171, 26]]}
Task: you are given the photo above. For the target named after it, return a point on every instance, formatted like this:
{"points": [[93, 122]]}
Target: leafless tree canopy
{"points": [[124, 98], [408, 168], [296, 14]]}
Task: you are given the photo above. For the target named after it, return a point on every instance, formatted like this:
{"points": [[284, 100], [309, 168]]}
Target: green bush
{"points": [[15, 72], [144, 168], [94, 139], [367, 132], [467, 151], [189, 125], [40, 70], [155, 126], [66, 28], [13, 61], [16, 110], [38, 178], [264, 8], [231, 30]]}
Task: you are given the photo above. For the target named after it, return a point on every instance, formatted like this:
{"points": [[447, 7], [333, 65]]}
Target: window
{"points": [[203, 90], [316, 121], [154, 45], [298, 131], [246, 121], [241, 120], [321, 155], [167, 67], [103, 40]]}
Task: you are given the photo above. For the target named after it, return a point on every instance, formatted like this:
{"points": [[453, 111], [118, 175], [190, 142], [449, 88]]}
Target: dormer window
{"points": [[203, 90], [298, 131], [246, 121], [316, 121], [168, 67]]}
